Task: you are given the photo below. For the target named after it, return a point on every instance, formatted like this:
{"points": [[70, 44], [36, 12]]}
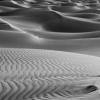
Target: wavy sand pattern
{"points": [[32, 32], [43, 74]]}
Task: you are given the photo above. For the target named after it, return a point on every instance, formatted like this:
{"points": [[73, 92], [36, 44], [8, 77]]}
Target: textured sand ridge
{"points": [[32, 74]]}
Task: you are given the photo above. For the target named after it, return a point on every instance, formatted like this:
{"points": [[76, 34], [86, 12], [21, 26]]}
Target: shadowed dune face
{"points": [[53, 21], [50, 21], [4, 26], [86, 15], [68, 26]]}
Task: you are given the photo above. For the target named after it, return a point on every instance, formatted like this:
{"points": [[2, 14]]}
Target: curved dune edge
{"points": [[38, 74], [51, 35], [63, 27], [89, 16], [14, 39], [52, 24]]}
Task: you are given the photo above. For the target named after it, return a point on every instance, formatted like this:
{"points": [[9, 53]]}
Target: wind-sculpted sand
{"points": [[29, 31], [37, 74]]}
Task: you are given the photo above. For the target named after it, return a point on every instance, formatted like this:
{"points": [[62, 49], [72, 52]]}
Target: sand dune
{"points": [[30, 70], [48, 24], [39, 74], [89, 16], [77, 32]]}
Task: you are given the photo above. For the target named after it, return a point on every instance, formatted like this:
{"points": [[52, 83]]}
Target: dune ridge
{"points": [[18, 20], [75, 21], [51, 24]]}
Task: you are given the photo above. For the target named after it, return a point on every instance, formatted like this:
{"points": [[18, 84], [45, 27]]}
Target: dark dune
{"points": [[96, 11], [71, 25], [85, 15], [61, 36], [44, 29], [4, 26], [7, 3], [65, 9], [17, 40], [5, 9], [57, 31], [94, 5], [98, 19], [89, 46], [50, 21], [67, 4]]}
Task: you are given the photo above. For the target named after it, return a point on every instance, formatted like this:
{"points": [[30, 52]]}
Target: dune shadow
{"points": [[85, 15], [50, 21]]}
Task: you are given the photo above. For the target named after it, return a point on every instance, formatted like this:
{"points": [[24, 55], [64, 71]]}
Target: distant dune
{"points": [[77, 32]]}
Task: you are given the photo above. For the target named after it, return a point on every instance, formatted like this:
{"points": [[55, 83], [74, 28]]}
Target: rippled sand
{"points": [[72, 27]]}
